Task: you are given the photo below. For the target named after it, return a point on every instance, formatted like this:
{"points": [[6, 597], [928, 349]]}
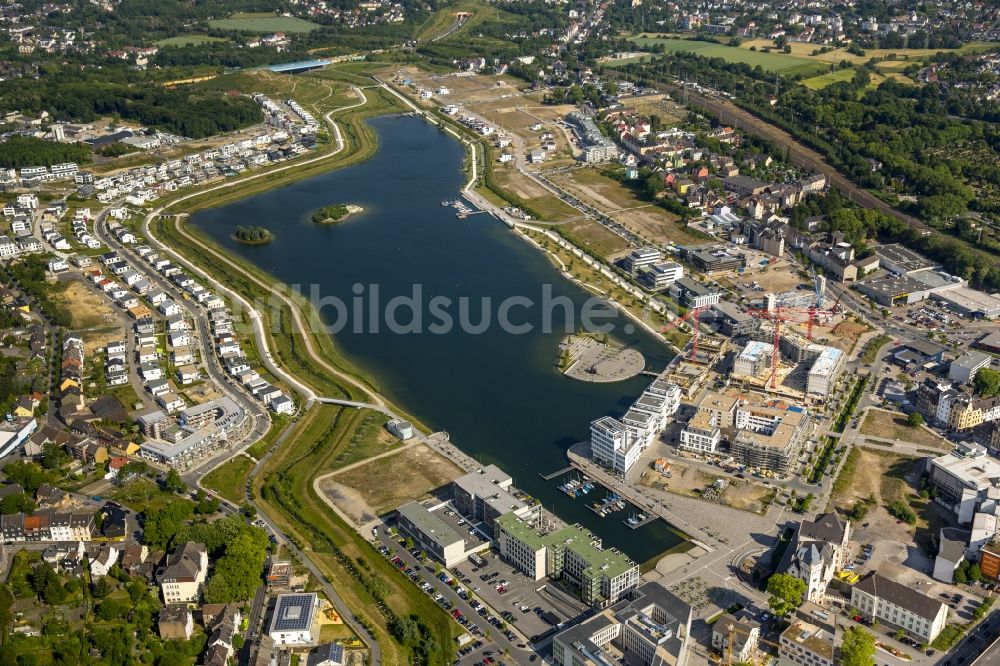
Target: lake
{"points": [[495, 389]]}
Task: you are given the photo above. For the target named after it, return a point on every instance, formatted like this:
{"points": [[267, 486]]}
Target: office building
{"points": [[899, 606], [694, 294], [733, 321], [702, 433], [613, 446], [488, 493], [754, 358], [964, 368], [963, 479], [660, 275], [431, 534], [824, 371], [641, 258], [601, 576], [806, 643], [651, 627]]}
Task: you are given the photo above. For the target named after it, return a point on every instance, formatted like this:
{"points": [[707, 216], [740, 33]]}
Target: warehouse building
{"points": [[434, 535]]}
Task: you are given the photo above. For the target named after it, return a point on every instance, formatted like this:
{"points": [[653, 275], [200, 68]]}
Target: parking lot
{"points": [[531, 607]]}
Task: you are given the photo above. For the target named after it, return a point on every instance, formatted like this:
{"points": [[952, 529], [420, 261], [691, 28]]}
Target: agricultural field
{"points": [[906, 56], [787, 64], [263, 23], [189, 40]]}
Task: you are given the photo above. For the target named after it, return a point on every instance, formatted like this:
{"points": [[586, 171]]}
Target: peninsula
{"points": [[334, 214]]}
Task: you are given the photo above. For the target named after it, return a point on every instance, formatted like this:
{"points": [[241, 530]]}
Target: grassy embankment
{"points": [[369, 584]]}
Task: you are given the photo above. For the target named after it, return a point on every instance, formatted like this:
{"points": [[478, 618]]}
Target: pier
{"points": [[549, 477], [645, 521]]}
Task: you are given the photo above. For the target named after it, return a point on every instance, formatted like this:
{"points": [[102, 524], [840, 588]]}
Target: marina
{"points": [[610, 504], [577, 487]]}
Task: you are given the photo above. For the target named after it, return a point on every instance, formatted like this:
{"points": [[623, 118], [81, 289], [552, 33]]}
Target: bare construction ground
{"points": [[618, 201], [692, 482], [410, 474], [89, 309]]}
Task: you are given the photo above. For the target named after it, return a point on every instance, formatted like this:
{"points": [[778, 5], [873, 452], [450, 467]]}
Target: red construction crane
{"points": [[692, 318], [779, 314]]}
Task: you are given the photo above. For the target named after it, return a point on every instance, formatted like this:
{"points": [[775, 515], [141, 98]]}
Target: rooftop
{"points": [[900, 595], [293, 612], [430, 524], [903, 257]]}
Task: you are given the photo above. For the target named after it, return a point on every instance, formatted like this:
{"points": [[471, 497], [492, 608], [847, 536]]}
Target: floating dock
{"points": [[549, 477]]}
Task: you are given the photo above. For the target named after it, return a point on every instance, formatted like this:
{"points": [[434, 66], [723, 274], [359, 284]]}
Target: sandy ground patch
{"points": [[89, 309], [412, 474], [691, 482]]}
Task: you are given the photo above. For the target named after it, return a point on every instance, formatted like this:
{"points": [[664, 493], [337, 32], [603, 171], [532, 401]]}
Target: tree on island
{"points": [[330, 213], [252, 234]]}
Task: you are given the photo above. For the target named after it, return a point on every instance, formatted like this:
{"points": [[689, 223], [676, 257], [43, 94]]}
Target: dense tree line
{"points": [[188, 112], [22, 151]]}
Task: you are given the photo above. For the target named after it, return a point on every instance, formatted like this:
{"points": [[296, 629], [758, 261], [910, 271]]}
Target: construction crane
{"points": [[692, 319], [776, 314]]}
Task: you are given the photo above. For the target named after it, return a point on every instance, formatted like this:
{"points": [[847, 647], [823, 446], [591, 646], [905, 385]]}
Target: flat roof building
{"points": [[963, 478], [431, 534], [292, 620], [900, 260], [488, 493], [601, 576], [824, 370]]}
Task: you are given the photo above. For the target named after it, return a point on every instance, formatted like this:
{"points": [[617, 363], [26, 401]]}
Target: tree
{"points": [[987, 382], [959, 577], [786, 593], [915, 420], [975, 574], [858, 648], [173, 482]]}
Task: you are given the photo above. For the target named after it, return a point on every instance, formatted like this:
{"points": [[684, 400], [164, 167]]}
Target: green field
{"points": [[263, 23], [189, 40], [229, 479], [789, 65], [824, 80]]}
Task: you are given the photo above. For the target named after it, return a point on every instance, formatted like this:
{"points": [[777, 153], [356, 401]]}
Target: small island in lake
{"points": [[334, 214], [253, 235]]}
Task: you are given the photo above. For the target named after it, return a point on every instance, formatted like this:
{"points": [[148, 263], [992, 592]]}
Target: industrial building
{"points": [[970, 302], [652, 627], [900, 260], [964, 368], [602, 576]]}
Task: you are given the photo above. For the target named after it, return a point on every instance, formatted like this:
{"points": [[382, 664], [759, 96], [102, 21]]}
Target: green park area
{"points": [[189, 40], [263, 23]]}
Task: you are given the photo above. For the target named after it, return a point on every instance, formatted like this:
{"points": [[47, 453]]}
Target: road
{"points": [[202, 336]]}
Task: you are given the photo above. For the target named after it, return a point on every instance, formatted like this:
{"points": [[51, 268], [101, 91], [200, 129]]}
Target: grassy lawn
{"points": [[441, 20], [823, 80], [263, 23], [193, 39], [354, 568], [593, 237], [872, 347], [890, 425], [260, 447], [773, 62], [144, 495], [229, 479]]}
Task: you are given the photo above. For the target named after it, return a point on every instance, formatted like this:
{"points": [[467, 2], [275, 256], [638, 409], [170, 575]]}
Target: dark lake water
{"points": [[498, 393]]}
